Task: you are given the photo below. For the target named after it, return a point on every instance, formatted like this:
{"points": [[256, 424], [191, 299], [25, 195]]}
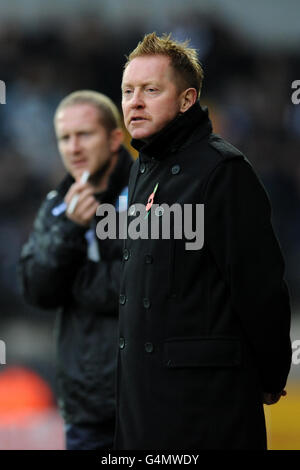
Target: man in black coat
{"points": [[63, 265], [204, 311]]}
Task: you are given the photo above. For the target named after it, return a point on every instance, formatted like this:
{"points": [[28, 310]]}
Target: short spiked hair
{"points": [[184, 59]]}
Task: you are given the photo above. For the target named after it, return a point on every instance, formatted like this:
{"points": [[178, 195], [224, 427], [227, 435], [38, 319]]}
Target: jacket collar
{"points": [[192, 125], [119, 177]]}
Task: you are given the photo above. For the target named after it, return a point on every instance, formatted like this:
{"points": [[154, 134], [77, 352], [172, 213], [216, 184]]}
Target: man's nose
{"points": [[137, 99], [74, 144]]}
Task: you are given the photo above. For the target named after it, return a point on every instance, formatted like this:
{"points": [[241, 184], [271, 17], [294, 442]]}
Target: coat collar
{"points": [[192, 125]]}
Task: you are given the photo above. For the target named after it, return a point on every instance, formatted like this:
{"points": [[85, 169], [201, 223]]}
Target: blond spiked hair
{"points": [[184, 59]]}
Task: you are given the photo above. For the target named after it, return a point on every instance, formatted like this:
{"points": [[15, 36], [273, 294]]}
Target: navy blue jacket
{"points": [[65, 267]]}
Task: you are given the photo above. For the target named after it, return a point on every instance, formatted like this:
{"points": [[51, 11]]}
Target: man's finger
{"points": [[79, 190], [85, 203]]}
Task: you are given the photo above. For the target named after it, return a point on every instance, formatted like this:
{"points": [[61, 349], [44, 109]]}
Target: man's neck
{"points": [[100, 179]]}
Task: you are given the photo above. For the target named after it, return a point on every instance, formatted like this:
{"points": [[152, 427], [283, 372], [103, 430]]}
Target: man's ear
{"points": [[188, 98], [116, 138]]}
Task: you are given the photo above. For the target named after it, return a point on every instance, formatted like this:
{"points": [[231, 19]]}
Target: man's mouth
{"points": [[137, 119], [77, 163]]}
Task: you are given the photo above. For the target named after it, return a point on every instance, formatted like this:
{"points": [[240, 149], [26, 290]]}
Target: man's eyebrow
{"points": [[124, 84], [143, 84]]}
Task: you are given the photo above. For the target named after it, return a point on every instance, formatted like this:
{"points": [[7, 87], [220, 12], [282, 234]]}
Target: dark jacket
{"points": [[59, 269], [203, 333]]}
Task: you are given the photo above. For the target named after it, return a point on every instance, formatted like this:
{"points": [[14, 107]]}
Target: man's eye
{"points": [[151, 90], [127, 92]]}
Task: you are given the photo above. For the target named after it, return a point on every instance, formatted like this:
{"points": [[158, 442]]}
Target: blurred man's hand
{"points": [[86, 206]]}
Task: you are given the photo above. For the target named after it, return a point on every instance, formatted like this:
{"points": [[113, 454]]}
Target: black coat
{"points": [[203, 333], [58, 269]]}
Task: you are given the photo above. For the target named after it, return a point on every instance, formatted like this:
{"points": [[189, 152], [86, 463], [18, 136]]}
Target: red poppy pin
{"points": [[150, 200]]}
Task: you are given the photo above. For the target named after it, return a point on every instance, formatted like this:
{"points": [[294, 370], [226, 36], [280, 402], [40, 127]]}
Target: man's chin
{"points": [[76, 173], [140, 134]]}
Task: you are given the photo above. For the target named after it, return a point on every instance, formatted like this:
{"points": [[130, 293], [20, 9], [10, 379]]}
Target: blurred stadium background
{"points": [[250, 53]]}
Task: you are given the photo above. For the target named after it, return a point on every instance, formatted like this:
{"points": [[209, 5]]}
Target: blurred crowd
{"points": [[248, 92]]}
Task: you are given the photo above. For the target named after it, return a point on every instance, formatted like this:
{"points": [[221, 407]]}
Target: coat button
{"points": [[122, 343], [149, 348], [126, 254], [142, 168], [122, 299], [148, 259], [175, 169], [52, 194], [146, 303], [159, 211], [131, 210]]}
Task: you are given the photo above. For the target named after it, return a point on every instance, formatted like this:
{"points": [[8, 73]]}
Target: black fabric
{"points": [[202, 352], [195, 360], [56, 273], [90, 437]]}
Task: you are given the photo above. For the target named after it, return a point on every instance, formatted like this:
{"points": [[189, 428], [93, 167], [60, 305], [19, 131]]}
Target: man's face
{"points": [[83, 142], [150, 97]]}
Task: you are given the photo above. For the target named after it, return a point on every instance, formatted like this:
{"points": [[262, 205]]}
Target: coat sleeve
{"points": [[56, 248], [240, 236]]}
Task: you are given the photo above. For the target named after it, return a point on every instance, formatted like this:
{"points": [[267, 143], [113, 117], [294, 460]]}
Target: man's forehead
{"points": [[146, 68], [83, 114], [77, 110]]}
